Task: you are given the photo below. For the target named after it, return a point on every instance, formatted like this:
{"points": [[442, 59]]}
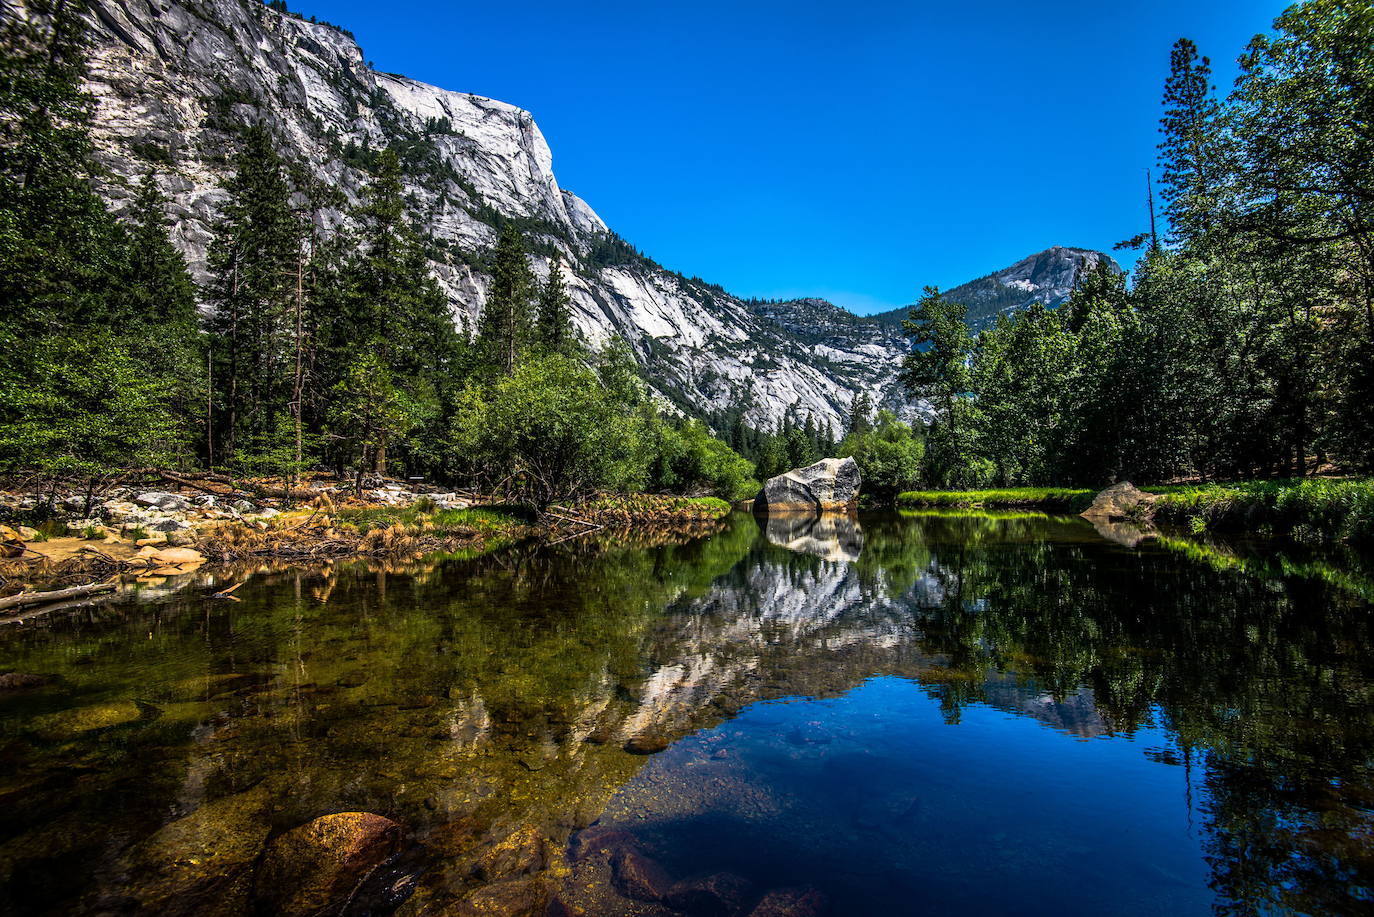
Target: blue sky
{"points": [[856, 151]]}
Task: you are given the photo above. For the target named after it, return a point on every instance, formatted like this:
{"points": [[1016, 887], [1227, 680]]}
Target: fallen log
{"points": [[57, 595]]}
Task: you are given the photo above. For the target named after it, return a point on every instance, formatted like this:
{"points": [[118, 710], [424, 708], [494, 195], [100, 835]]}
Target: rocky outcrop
{"points": [[174, 80], [1120, 501], [830, 485]]}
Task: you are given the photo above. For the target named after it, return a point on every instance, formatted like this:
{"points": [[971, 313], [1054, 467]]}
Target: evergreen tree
{"points": [[937, 369], [389, 306], [860, 415], [1189, 150], [83, 387], [504, 329], [554, 313], [255, 272]]}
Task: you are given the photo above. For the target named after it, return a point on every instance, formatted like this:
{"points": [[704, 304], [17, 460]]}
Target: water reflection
{"points": [[946, 672], [830, 536]]}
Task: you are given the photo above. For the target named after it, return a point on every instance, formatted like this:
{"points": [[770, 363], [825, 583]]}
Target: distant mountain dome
{"points": [[1046, 277]]}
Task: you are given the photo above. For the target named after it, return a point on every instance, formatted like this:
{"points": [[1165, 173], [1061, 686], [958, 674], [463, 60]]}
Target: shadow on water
{"points": [[914, 713]]}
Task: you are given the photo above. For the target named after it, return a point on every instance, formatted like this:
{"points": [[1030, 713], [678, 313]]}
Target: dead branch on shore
{"points": [[57, 595]]}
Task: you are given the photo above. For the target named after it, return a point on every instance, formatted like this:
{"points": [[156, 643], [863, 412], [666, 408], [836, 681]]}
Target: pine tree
{"points": [[503, 331], [860, 415], [1188, 152], [161, 304], [938, 369], [554, 314], [390, 307], [254, 264]]}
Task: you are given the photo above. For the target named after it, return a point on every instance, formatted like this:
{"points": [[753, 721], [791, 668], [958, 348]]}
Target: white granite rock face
{"points": [[170, 79]]}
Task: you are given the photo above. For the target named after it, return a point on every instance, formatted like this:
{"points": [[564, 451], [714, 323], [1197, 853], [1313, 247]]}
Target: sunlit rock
{"points": [[830, 485], [320, 863]]}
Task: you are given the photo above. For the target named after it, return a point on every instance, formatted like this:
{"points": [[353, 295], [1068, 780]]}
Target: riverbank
{"points": [[57, 540], [1064, 499], [1307, 510]]}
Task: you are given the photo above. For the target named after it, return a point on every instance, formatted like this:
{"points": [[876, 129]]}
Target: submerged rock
{"points": [[829, 485], [717, 895], [518, 854], [320, 863], [599, 841], [22, 681], [200, 864], [1120, 501], [516, 898], [637, 876], [650, 744], [792, 902]]}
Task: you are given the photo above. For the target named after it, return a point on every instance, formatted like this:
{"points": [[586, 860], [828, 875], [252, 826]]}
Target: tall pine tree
{"points": [[254, 265], [504, 329]]}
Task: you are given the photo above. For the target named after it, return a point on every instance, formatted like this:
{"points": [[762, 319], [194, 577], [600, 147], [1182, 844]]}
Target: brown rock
{"points": [[21, 681], [636, 876], [517, 898], [1120, 501], [170, 557], [717, 895], [322, 862], [600, 842], [518, 854], [11, 544], [792, 902], [647, 744]]}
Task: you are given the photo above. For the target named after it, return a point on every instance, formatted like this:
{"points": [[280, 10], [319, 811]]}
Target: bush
{"points": [[889, 456], [689, 460], [554, 430]]}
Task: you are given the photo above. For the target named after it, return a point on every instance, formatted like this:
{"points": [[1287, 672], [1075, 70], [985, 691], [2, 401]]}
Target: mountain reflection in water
{"points": [[909, 714]]}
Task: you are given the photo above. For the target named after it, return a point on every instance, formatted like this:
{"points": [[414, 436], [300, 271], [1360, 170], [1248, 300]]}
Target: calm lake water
{"points": [[929, 714]]}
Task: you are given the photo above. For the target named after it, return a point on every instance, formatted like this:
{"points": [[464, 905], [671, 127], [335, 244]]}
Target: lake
{"points": [[904, 714]]}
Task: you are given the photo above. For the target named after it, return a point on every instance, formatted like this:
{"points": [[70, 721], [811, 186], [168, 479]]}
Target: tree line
{"points": [[317, 349], [1245, 344]]}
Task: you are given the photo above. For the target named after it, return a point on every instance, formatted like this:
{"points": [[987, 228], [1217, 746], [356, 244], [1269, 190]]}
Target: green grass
{"points": [[1308, 510], [1065, 498], [961, 512], [476, 520]]}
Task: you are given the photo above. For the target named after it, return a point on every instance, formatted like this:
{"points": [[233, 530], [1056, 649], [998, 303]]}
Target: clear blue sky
{"points": [[853, 150]]}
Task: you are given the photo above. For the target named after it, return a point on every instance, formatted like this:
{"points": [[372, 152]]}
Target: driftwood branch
{"points": [[57, 595]]}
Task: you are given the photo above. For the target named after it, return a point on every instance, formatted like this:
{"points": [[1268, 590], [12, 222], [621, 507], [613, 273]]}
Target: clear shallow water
{"points": [[923, 714]]}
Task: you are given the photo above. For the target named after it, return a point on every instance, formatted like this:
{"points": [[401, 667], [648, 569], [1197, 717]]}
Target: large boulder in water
{"points": [[316, 867], [829, 485], [1120, 501]]}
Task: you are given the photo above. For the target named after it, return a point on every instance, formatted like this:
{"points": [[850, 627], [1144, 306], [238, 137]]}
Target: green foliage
{"points": [[1245, 347], [505, 328], [688, 459], [889, 454], [554, 327], [1320, 508], [552, 426], [98, 319]]}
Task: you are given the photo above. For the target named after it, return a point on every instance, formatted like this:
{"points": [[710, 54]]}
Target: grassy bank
{"points": [[1307, 510], [1050, 498]]}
